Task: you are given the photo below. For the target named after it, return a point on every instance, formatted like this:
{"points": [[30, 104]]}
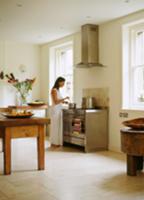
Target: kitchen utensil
{"points": [[72, 105]]}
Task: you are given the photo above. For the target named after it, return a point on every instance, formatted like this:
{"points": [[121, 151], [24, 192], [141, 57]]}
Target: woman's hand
{"points": [[66, 98], [65, 102]]}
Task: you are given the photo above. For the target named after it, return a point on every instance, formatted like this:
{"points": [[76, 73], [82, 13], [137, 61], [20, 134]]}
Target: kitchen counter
{"points": [[86, 127]]}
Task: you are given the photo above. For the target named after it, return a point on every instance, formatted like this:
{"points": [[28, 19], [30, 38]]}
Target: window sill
{"points": [[136, 109]]}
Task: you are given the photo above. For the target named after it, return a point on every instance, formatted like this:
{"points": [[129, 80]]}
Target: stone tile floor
{"points": [[70, 174]]}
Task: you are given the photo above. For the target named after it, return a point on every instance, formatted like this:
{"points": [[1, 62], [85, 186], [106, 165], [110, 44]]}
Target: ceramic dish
{"points": [[36, 103], [9, 115]]}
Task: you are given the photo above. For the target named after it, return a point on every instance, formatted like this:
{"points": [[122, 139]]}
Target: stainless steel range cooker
{"points": [[86, 127]]}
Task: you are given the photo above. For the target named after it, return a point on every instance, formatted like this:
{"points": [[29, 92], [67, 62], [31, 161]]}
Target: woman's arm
{"points": [[55, 98]]}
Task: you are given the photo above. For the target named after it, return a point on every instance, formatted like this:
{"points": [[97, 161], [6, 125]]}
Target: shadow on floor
{"points": [[67, 148], [124, 184]]}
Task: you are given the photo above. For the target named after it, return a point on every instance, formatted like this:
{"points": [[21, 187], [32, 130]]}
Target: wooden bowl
{"points": [[137, 123]]}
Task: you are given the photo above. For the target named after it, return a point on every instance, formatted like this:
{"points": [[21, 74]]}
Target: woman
{"points": [[56, 135]]}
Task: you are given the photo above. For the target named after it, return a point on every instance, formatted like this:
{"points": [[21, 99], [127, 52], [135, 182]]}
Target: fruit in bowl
{"points": [[18, 114]]}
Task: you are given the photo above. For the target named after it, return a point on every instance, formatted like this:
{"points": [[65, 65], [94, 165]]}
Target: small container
{"points": [[88, 102], [72, 105]]}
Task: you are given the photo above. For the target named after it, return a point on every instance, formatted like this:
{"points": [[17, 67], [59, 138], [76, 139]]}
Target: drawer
{"points": [[24, 131], [74, 140]]}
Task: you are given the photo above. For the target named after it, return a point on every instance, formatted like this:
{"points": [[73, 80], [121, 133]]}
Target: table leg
{"points": [[131, 165], [139, 162], [46, 115], [40, 145], [7, 151]]}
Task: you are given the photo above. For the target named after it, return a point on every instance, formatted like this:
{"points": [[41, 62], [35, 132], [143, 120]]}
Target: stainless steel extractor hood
{"points": [[89, 46]]}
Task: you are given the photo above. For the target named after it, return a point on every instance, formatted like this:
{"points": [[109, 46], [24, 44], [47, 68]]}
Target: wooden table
{"points": [[132, 143], [22, 128], [32, 107]]}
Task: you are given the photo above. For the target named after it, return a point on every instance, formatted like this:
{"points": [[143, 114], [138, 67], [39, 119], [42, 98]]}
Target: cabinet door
{"points": [[67, 121], [96, 131]]}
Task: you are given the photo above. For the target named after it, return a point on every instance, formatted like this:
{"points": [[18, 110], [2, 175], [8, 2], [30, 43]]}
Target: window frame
{"points": [[129, 65]]}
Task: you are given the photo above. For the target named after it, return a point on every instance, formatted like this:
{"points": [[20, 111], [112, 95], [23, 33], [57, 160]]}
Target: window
{"points": [[137, 65], [61, 64], [133, 66]]}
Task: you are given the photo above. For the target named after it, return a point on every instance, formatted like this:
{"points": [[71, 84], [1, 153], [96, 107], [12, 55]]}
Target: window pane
{"points": [[139, 48], [66, 61], [138, 84], [64, 67], [68, 89]]}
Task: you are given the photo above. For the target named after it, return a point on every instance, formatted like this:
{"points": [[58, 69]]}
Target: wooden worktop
{"points": [[7, 122]]}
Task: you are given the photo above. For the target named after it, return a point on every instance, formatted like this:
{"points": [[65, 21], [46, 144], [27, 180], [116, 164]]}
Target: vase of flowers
{"points": [[21, 99], [22, 87], [22, 93]]}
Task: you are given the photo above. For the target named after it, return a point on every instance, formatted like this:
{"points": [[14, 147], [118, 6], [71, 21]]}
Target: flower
{"points": [[1, 75], [23, 87]]}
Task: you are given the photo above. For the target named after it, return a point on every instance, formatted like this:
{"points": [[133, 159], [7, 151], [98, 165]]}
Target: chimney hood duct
{"points": [[90, 46]]}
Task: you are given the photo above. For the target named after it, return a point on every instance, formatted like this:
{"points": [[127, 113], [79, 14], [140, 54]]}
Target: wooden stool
{"points": [[132, 143]]}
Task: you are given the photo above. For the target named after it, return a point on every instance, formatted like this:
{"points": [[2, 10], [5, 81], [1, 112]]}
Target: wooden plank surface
{"points": [[6, 122]]}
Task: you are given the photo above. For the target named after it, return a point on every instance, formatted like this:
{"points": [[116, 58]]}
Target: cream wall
{"points": [[44, 80], [12, 55], [111, 55], [109, 76]]}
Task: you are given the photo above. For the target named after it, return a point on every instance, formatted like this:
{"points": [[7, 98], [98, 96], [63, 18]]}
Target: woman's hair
{"points": [[58, 80]]}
